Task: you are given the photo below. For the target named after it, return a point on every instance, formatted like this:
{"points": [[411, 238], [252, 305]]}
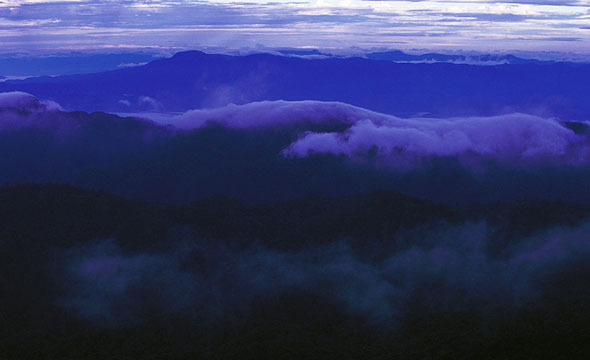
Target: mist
{"points": [[445, 269]]}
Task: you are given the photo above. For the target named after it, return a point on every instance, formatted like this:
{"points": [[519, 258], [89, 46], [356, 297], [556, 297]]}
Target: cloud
{"points": [[511, 137], [126, 65], [273, 114], [20, 110], [19, 100], [322, 24], [447, 268], [107, 281], [531, 2], [148, 102], [364, 134]]}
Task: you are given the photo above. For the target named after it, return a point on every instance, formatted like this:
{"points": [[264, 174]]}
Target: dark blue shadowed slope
{"points": [[69, 63]]}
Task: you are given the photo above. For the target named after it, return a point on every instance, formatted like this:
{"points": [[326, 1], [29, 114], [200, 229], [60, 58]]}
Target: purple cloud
{"points": [[397, 141], [25, 102], [272, 114], [20, 109]]}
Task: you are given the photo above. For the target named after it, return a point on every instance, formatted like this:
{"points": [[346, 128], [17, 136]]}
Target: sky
{"points": [[500, 25]]}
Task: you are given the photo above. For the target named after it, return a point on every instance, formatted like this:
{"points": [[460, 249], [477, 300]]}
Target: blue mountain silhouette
{"points": [[193, 79]]}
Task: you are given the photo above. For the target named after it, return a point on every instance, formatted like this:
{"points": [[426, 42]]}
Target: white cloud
{"points": [[403, 142], [17, 99], [327, 24], [363, 134], [271, 113]]}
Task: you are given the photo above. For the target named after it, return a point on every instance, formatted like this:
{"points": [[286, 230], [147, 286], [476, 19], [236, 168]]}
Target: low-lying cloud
{"points": [[505, 137], [397, 141], [24, 101], [445, 269], [273, 114]]}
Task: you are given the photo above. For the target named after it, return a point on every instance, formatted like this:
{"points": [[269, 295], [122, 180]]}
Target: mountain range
{"points": [[195, 80]]}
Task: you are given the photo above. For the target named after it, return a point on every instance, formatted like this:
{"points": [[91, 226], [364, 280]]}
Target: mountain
{"points": [[475, 59], [70, 63], [192, 80], [302, 52], [268, 151], [86, 274], [63, 215], [400, 56]]}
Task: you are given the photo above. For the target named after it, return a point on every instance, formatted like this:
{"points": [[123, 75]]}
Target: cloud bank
{"points": [[443, 270], [421, 24], [509, 137], [25, 102], [366, 134], [273, 114]]}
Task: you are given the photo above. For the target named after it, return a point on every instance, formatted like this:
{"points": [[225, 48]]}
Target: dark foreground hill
{"points": [[191, 80], [85, 274], [64, 215]]}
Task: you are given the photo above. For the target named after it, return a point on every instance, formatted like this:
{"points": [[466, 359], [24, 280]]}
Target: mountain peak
{"points": [[189, 53]]}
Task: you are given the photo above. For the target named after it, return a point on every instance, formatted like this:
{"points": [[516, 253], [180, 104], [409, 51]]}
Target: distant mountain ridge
{"points": [[193, 79], [69, 63], [475, 59]]}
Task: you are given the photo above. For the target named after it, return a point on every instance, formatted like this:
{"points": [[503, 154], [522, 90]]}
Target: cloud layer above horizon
{"points": [[469, 24]]}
